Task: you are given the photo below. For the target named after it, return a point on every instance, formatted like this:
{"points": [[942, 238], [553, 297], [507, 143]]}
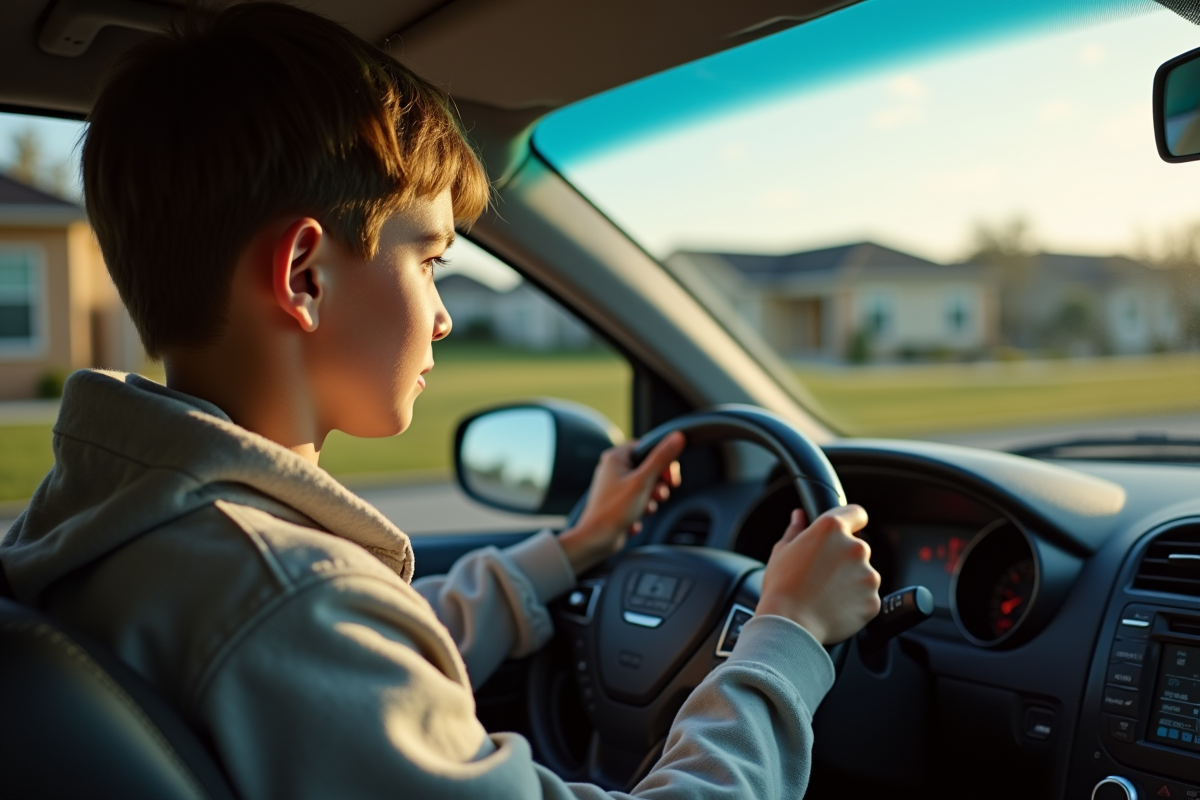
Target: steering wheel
{"points": [[645, 634]]}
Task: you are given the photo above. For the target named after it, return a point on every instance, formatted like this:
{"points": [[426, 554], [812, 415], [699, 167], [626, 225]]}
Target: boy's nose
{"points": [[442, 325]]}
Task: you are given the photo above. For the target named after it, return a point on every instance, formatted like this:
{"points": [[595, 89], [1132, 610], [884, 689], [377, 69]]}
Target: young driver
{"points": [[271, 195]]}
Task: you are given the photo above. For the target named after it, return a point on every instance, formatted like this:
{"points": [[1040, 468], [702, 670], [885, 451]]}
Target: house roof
{"points": [[13, 192], [22, 204], [1090, 270], [457, 282], [849, 261], [857, 255]]}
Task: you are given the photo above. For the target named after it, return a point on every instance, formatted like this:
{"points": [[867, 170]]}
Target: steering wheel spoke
{"points": [[644, 635]]}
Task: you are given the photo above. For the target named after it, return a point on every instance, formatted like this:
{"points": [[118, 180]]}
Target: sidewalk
{"points": [[28, 412]]}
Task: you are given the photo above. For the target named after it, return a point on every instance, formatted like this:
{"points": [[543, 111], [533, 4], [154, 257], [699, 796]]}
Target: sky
{"points": [[1053, 126]]}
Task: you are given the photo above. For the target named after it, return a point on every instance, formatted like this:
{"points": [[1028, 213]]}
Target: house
{"points": [[850, 302], [521, 316], [59, 310], [1092, 305]]}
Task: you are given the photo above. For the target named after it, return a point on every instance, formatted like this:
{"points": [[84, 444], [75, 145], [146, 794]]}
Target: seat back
{"points": [[76, 722]]}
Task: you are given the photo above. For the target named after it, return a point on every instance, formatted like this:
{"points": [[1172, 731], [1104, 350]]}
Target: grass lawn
{"points": [[466, 378], [881, 401], [911, 400]]}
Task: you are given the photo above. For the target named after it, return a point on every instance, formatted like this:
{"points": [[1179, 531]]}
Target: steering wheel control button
{"points": [[1121, 729], [1132, 652], [644, 620], [1129, 675], [1114, 787], [737, 619], [1120, 701], [1039, 723], [629, 659], [655, 593]]}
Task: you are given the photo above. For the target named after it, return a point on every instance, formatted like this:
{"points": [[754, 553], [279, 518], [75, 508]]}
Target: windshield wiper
{"points": [[1145, 448]]}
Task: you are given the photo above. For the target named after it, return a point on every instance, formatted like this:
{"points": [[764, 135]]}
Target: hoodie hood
{"points": [[131, 455]]}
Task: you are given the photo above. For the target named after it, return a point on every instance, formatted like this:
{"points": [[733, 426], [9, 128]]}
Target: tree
{"points": [[1008, 249], [28, 164]]}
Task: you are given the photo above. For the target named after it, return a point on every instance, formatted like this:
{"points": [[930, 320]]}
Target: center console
{"points": [[1140, 725]]}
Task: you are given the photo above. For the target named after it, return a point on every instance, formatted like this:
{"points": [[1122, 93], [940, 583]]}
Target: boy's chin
{"points": [[391, 422]]}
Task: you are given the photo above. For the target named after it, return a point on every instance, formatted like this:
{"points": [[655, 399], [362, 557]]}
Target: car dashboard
{"points": [[1064, 649]]}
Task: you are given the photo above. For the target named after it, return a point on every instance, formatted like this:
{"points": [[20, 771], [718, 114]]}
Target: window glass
{"points": [[18, 299], [509, 342], [950, 218]]}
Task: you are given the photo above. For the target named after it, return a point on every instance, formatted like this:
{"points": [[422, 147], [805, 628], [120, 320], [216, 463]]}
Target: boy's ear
{"points": [[294, 274]]}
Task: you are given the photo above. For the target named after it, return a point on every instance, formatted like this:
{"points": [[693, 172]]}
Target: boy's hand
{"points": [[620, 496], [819, 576]]}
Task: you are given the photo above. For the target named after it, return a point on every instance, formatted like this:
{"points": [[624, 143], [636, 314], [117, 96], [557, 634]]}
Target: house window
{"points": [[958, 313], [878, 314], [20, 301]]}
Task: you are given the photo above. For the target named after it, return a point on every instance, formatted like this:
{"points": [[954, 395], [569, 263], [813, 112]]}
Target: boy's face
{"points": [[379, 319]]}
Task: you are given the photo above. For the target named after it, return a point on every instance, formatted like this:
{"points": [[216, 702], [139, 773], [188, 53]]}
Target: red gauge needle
{"points": [[1008, 605]]}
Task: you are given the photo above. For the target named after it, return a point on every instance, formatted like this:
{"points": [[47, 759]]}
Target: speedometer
{"points": [[1011, 596]]}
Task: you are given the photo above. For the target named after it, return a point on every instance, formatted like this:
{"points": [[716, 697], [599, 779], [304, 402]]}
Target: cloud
{"points": [[1055, 110], [1092, 54], [896, 117], [780, 198], [963, 181], [908, 87], [733, 152]]}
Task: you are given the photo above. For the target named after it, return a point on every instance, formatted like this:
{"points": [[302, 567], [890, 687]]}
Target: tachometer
{"points": [[1011, 596]]}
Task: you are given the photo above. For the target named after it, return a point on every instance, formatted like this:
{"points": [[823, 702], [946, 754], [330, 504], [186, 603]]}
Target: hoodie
{"points": [[274, 610]]}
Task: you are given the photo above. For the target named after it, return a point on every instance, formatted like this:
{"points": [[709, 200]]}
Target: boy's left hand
{"points": [[620, 496]]}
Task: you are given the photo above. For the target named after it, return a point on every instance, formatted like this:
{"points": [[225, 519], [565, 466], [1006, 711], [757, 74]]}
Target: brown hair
{"points": [[201, 136]]}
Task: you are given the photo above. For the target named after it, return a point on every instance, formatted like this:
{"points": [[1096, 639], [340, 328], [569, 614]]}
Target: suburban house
{"points": [[59, 310], [854, 302], [521, 316], [1093, 305]]}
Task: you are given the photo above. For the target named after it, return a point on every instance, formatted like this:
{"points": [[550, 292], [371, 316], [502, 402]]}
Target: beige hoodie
{"points": [[273, 609]]}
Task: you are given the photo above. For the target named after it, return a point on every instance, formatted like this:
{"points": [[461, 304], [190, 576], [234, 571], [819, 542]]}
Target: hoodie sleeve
{"points": [[350, 689], [493, 601]]}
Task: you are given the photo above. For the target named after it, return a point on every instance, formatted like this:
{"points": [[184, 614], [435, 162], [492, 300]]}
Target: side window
{"points": [[510, 342], [22, 276]]}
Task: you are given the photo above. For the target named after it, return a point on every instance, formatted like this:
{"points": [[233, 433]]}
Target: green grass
{"points": [[911, 400], [466, 378], [879, 401]]}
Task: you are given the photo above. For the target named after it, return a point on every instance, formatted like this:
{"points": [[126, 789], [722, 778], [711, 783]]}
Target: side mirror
{"points": [[1177, 108], [533, 458]]}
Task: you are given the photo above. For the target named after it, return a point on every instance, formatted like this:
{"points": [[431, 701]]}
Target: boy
{"points": [[271, 196]]}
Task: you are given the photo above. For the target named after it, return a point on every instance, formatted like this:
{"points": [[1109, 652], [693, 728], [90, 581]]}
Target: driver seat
{"points": [[76, 722]]}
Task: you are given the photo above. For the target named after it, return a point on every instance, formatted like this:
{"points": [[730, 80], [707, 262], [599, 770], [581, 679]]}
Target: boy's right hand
{"points": [[819, 576]]}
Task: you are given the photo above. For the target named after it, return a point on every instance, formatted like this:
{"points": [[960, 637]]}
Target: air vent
{"points": [[1172, 563], [692, 528]]}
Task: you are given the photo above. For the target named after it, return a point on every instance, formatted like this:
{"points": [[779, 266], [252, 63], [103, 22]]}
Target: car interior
{"points": [[1041, 630]]}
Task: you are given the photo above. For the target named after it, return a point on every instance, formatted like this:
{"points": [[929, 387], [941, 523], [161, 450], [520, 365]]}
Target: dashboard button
{"points": [[1121, 728], [1129, 675], [1120, 701], [1133, 652]]}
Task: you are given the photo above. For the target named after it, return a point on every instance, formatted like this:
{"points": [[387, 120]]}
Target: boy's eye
{"points": [[438, 262]]}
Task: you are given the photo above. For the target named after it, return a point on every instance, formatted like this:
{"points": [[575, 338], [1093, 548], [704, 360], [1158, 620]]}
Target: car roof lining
{"points": [[509, 54]]}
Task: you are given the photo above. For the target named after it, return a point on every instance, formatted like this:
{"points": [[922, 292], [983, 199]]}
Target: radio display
{"points": [[1175, 719]]}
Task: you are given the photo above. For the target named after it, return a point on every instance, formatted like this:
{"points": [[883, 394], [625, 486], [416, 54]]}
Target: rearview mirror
{"points": [[1177, 108], [533, 458]]}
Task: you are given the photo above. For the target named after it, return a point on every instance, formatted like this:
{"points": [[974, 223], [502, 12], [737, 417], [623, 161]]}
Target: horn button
{"points": [[661, 602]]}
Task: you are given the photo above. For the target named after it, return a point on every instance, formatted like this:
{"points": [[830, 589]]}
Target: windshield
{"points": [[950, 219]]}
